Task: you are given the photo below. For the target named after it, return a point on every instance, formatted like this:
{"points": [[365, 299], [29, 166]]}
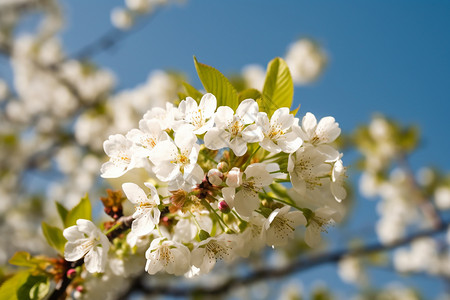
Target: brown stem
{"points": [[272, 273]]}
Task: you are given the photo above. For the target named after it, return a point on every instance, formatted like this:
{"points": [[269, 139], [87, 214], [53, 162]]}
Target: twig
{"points": [[271, 273]]}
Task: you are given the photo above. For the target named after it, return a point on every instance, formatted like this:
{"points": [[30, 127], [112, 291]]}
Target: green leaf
{"points": [[278, 88], [54, 237], [192, 91], [10, 288], [81, 211], [295, 111], [62, 211], [216, 83], [40, 288], [22, 259], [249, 94]]}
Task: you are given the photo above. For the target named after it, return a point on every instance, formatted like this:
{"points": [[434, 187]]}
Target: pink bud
{"points": [[224, 207], [79, 289], [71, 273]]}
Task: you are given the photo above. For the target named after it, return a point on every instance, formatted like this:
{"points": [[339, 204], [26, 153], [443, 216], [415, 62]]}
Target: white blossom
{"points": [[176, 161], [86, 240], [147, 214], [168, 256], [320, 220], [246, 199], [323, 133], [120, 151], [280, 225], [278, 135], [146, 138], [231, 129], [207, 252], [199, 117]]}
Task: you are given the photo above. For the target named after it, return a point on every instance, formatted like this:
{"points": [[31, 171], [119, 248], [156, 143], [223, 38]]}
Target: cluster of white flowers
{"points": [[218, 166], [423, 255]]}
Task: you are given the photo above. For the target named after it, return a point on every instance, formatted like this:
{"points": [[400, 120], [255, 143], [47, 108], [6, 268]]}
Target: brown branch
{"points": [[273, 273]]}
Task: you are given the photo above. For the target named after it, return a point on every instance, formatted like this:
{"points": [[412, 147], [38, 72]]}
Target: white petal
{"points": [[134, 193], [223, 117], [87, 226], [208, 105], [247, 111], [95, 261], [216, 138], [245, 202], [309, 124], [252, 134], [238, 145]]}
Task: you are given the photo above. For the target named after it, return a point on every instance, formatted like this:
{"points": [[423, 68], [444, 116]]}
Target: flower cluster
{"points": [[214, 189]]}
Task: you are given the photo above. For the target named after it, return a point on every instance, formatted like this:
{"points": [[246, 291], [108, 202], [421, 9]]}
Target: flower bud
{"points": [[71, 273], [215, 177], [234, 177], [224, 207], [222, 166], [79, 289]]}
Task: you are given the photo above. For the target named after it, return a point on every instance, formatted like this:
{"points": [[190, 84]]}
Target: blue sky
{"points": [[391, 57]]}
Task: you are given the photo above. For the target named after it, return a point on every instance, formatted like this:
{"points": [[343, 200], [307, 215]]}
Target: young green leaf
{"points": [[81, 211], [192, 91], [62, 211], [10, 288], [32, 289], [54, 237], [40, 286], [295, 111], [22, 259], [278, 88], [216, 83], [249, 94]]}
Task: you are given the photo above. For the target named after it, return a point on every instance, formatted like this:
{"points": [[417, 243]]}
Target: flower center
{"points": [[235, 128], [164, 255]]}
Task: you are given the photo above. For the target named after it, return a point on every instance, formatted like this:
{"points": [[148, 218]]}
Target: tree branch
{"points": [[300, 265]]}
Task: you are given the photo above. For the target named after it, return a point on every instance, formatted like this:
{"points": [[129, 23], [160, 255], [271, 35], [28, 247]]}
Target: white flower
{"points": [[277, 134], [147, 137], [252, 238], [165, 117], [86, 240], [305, 60], [231, 130], [199, 118], [147, 214], [323, 133], [318, 222], [175, 160], [120, 151], [337, 181], [442, 197], [246, 200], [121, 18], [308, 167], [280, 225], [207, 252], [169, 256], [254, 76]]}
